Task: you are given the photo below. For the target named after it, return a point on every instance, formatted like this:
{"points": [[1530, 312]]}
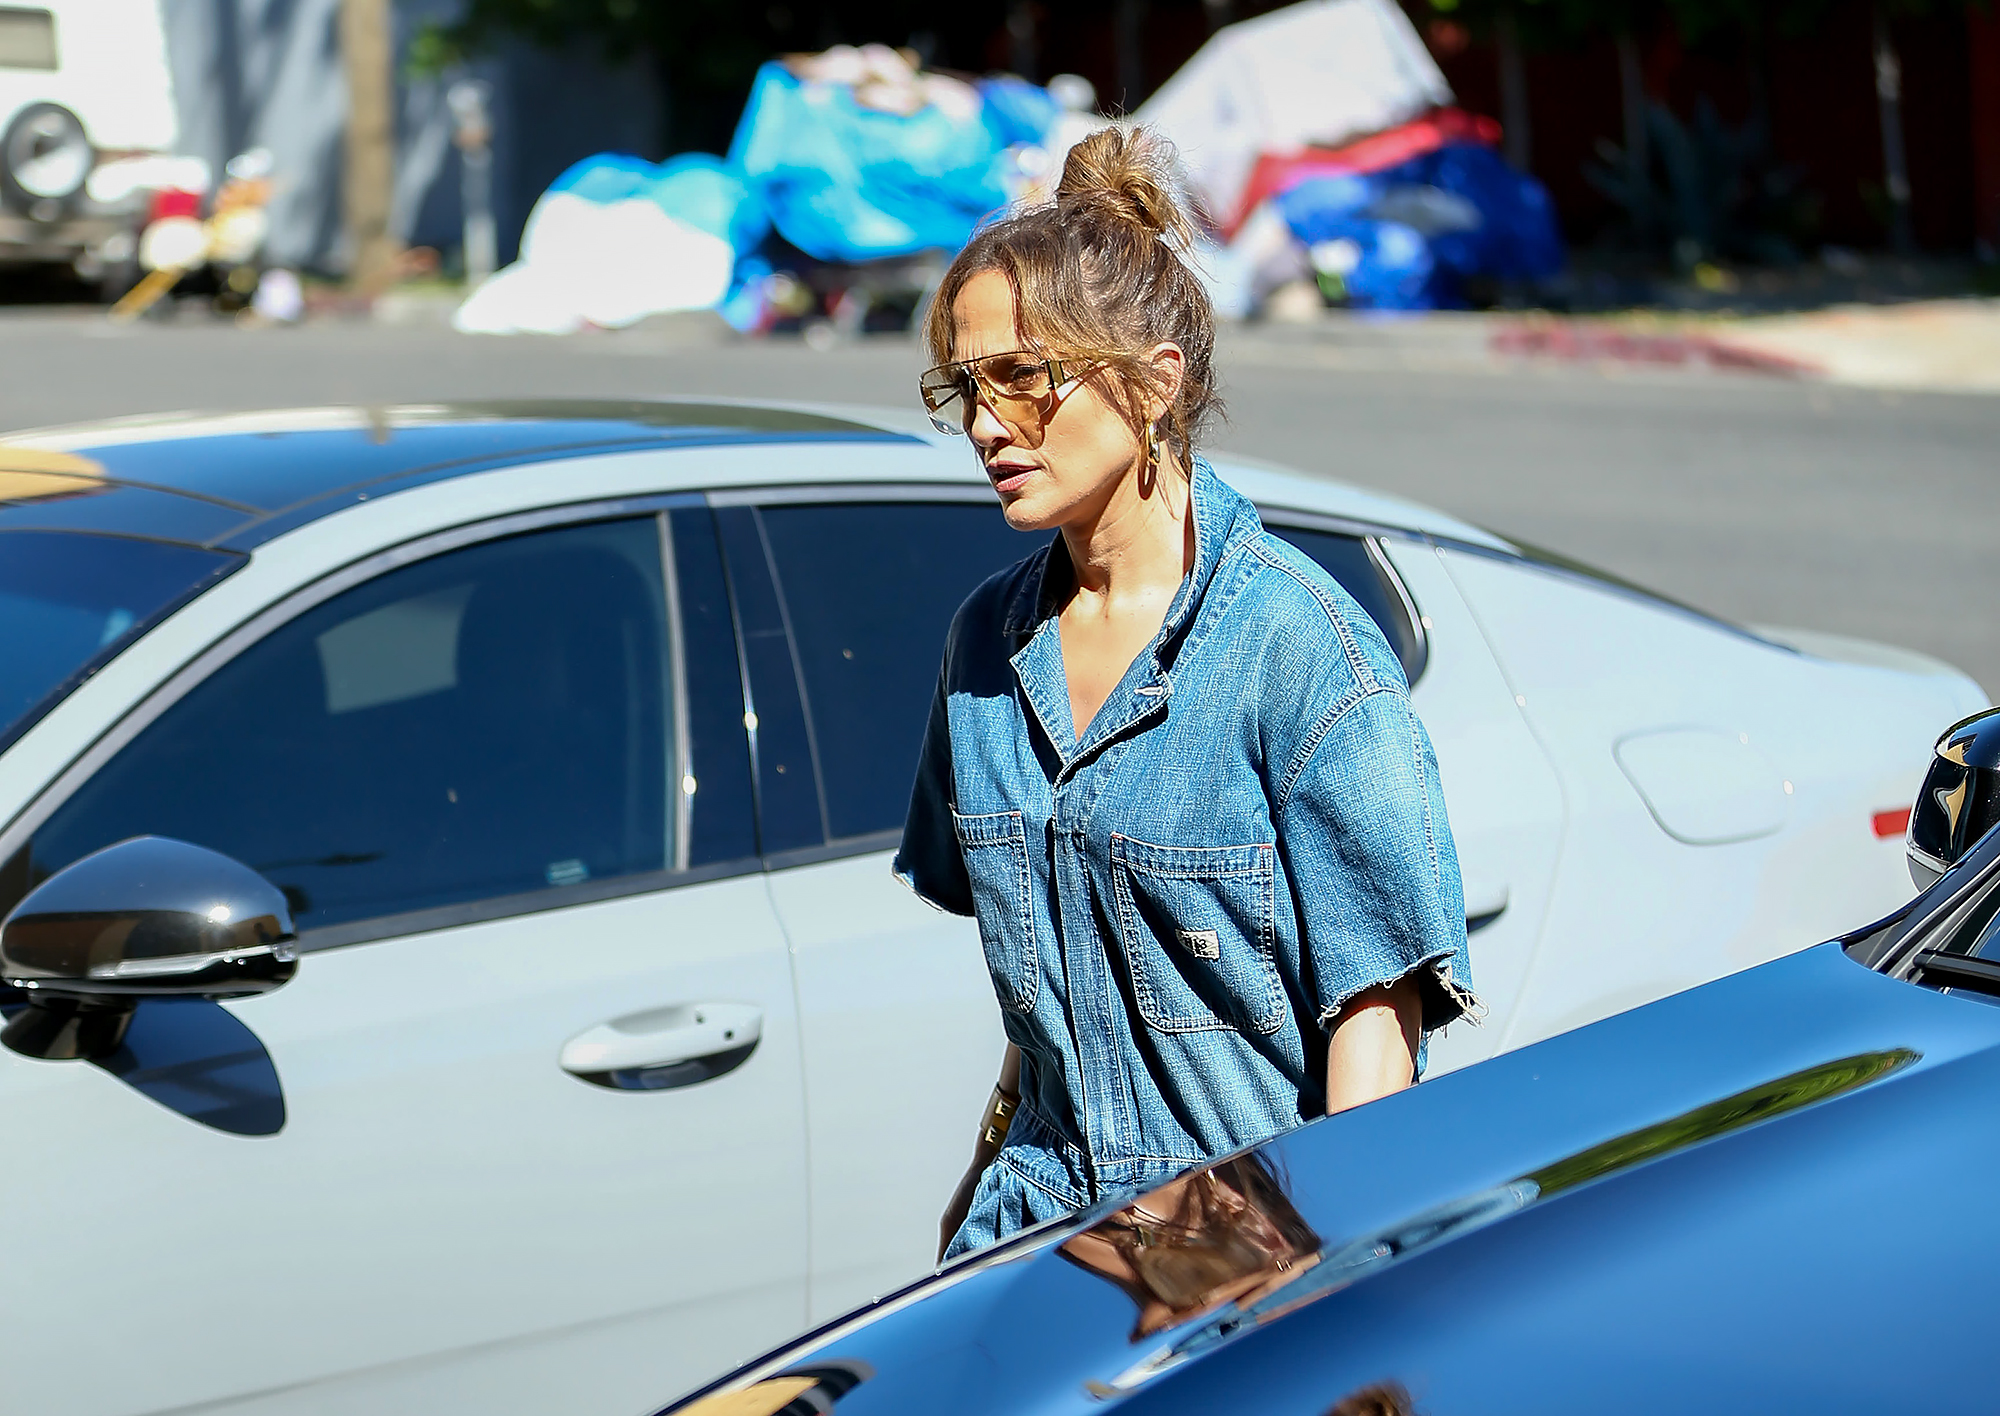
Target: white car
{"points": [[577, 737]]}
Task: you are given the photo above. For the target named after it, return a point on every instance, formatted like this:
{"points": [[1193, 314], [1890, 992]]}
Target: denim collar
{"points": [[1222, 518]]}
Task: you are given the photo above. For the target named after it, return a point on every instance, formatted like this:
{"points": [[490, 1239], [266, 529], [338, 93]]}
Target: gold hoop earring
{"points": [[1154, 455]]}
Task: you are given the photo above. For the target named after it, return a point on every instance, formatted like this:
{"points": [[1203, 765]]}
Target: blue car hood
{"points": [[1758, 1195]]}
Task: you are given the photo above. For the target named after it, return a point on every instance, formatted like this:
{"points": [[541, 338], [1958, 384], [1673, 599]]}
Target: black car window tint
{"points": [[870, 589], [489, 722], [1346, 559]]}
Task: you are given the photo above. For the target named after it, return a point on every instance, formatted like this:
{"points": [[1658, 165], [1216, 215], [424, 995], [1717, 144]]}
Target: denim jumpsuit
{"points": [[1175, 905]]}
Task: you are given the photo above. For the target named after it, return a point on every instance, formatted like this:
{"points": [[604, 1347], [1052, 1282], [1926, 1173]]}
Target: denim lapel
{"points": [[1036, 647], [1142, 694]]}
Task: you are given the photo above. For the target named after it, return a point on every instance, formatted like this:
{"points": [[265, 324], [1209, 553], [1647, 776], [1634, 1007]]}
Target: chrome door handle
{"points": [[665, 1048]]}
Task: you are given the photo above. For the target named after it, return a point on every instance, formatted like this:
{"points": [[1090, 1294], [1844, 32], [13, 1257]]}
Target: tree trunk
{"points": [[1129, 24], [1638, 152], [1513, 93], [1021, 39], [1895, 164], [368, 181]]}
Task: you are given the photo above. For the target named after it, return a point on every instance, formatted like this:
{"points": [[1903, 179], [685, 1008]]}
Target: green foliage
{"points": [[1709, 191]]}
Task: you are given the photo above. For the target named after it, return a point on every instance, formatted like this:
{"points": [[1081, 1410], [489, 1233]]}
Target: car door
{"points": [[509, 1164], [1723, 865], [851, 592]]}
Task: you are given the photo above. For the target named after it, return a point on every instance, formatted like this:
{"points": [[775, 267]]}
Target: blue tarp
{"points": [[847, 183], [1419, 229]]}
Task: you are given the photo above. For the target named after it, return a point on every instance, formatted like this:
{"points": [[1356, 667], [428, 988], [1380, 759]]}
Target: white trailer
{"points": [[87, 120]]}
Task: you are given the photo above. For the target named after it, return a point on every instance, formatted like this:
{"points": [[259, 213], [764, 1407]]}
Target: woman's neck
{"points": [[1141, 539]]}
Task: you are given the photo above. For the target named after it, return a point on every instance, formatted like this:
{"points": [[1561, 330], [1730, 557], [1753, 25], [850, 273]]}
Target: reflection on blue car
{"points": [[1749, 1197]]}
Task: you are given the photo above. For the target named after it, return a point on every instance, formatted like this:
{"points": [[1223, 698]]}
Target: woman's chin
{"points": [[1023, 514]]}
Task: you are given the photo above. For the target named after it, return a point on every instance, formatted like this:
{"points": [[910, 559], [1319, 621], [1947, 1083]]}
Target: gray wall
{"points": [[250, 73]]}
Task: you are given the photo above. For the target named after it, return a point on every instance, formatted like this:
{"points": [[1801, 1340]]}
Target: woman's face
{"points": [[1055, 462]]}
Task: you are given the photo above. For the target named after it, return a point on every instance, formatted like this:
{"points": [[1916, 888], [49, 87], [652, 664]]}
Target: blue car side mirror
{"points": [[1960, 800]]}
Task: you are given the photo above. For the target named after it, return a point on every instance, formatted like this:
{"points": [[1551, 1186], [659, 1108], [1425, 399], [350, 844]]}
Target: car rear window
{"points": [[70, 601]]}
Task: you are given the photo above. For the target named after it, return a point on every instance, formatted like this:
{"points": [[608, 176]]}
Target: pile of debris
{"points": [[1320, 143], [852, 177]]}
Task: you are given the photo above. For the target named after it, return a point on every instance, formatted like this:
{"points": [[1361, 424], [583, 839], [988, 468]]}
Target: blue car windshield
{"points": [[69, 601]]}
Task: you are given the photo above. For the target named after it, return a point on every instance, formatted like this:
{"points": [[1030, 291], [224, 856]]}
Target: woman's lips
{"points": [[1009, 479]]}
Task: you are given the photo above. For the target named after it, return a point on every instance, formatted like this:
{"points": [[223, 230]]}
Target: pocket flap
{"points": [[1189, 862], [989, 829]]}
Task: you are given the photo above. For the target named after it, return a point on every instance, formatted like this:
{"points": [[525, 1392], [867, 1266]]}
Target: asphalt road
{"points": [[1864, 513]]}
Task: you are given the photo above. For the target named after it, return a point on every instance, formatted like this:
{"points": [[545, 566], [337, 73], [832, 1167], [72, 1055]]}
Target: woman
{"points": [[1171, 767]]}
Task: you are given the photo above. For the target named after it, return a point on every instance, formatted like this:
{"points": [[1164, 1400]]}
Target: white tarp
{"points": [[1318, 73], [591, 263]]}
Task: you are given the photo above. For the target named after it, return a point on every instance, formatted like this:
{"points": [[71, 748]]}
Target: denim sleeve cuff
{"points": [[1447, 997], [908, 876]]}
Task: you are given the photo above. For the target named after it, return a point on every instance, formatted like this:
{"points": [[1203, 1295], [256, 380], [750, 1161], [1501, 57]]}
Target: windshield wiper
{"points": [[1975, 975]]}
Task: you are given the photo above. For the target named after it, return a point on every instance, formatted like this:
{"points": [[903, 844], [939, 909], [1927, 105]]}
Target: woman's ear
{"points": [[1169, 369]]}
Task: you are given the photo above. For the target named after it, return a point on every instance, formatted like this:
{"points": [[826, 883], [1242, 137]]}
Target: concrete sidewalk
{"points": [[1939, 345]]}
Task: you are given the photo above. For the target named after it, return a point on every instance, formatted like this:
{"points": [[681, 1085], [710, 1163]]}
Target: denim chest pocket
{"points": [[1196, 926], [995, 847]]}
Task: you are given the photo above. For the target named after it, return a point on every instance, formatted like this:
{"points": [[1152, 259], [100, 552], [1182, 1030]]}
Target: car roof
{"points": [[236, 481]]}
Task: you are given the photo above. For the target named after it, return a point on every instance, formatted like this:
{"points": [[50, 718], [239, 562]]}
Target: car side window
{"points": [[869, 591], [1347, 560], [493, 721]]}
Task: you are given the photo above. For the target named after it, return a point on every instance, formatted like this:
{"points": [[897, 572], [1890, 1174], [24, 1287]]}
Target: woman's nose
{"points": [[986, 429]]}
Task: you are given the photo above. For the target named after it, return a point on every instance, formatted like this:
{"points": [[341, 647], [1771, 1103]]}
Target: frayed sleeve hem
{"points": [[1446, 1000]]}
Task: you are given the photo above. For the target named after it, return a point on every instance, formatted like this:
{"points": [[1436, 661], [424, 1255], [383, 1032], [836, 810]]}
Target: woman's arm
{"points": [[1008, 1088], [1373, 1051]]}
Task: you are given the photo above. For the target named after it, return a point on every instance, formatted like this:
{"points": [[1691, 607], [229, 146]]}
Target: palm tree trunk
{"points": [[368, 181]]}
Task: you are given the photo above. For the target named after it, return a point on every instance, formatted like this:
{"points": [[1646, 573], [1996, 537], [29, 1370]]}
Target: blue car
{"points": [[1763, 1195]]}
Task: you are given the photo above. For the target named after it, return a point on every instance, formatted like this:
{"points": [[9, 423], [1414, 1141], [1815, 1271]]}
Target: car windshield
{"points": [[69, 601]]}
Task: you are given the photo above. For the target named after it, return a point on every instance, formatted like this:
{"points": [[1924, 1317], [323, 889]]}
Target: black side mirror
{"points": [[1960, 800], [146, 918]]}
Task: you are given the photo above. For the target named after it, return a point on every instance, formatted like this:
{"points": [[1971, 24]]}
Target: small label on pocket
{"points": [[1202, 943]]}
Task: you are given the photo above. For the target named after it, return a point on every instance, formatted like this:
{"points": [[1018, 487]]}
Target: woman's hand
{"points": [[1373, 1051]]}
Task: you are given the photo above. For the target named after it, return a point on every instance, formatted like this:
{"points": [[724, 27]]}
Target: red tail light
{"points": [[1892, 823]]}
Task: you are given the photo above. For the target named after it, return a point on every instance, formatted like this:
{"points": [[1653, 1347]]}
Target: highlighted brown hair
{"points": [[1098, 272]]}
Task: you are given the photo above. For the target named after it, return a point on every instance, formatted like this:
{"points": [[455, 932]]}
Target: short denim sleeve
{"points": [[929, 860], [1361, 822]]}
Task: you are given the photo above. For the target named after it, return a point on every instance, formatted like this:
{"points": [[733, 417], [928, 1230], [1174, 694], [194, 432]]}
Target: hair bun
{"points": [[1128, 174]]}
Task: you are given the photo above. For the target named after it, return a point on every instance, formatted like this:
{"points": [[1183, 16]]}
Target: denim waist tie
{"points": [[1176, 904]]}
